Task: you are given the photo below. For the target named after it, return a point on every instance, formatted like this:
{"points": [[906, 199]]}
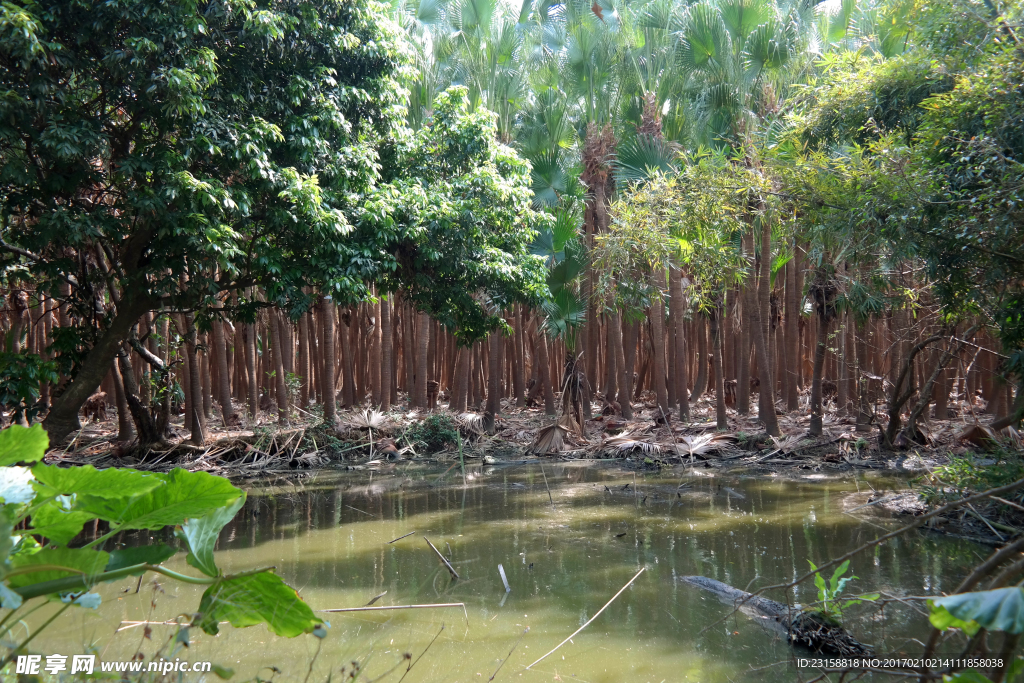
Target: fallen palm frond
{"points": [[701, 444], [368, 419], [787, 444], [630, 441], [476, 424], [551, 439]]}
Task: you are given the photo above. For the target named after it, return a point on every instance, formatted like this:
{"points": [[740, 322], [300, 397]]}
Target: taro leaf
{"points": [[58, 525], [22, 444], [201, 535], [256, 599], [186, 494], [128, 557], [996, 610], [85, 561], [941, 619], [108, 483]]}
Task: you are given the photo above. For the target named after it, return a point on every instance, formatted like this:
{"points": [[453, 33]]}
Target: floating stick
{"points": [[401, 537], [591, 618], [451, 569], [390, 607], [501, 570]]}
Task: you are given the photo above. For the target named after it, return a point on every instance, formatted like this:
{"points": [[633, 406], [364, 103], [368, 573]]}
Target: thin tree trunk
{"points": [[195, 405], [678, 324], [747, 327], [250, 370], [387, 349], [819, 366], [422, 342], [330, 404], [761, 332], [277, 331], [544, 373], [494, 373], [657, 313], [700, 384], [716, 350], [220, 350], [125, 430], [304, 364]]}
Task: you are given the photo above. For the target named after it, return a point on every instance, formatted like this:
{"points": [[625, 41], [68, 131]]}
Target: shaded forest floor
{"points": [[957, 457], [367, 438]]}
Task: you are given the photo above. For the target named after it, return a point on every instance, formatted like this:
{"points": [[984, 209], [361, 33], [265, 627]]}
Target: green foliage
{"points": [[54, 503], [21, 375], [965, 475], [437, 432], [830, 604], [22, 445], [256, 599], [1001, 609], [457, 227]]}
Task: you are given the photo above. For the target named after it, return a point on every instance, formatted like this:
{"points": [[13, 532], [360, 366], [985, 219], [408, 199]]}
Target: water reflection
{"points": [[329, 536]]}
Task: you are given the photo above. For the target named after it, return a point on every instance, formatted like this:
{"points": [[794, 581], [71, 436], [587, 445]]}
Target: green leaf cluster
{"points": [[55, 503]]}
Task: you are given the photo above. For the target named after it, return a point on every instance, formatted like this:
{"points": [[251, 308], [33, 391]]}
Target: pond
{"points": [[568, 537]]}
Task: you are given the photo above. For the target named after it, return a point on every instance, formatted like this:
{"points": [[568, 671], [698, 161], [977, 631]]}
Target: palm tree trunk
{"points": [[657, 313], [304, 364], [494, 373], [544, 373], [792, 336], [761, 331], [220, 351], [250, 370], [677, 307], [376, 360], [716, 351], [700, 384], [279, 370], [195, 406], [387, 349], [125, 430], [819, 366], [330, 404], [746, 327], [519, 362], [422, 342]]}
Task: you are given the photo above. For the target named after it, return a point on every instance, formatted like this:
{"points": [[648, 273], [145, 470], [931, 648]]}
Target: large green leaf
{"points": [[996, 610], [256, 599], [201, 534], [58, 524], [185, 495], [109, 483], [78, 561], [149, 554], [22, 444]]}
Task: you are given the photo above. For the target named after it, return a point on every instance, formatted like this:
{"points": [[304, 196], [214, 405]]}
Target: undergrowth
{"points": [[971, 473], [436, 433]]}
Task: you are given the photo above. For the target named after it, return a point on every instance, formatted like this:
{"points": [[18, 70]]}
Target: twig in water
{"points": [[501, 570], [551, 500], [390, 607], [451, 569], [376, 598], [401, 537], [508, 655], [642, 569], [358, 510], [413, 663]]}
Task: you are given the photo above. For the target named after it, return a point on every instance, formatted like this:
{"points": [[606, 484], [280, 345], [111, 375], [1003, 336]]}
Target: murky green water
{"points": [[328, 536]]}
